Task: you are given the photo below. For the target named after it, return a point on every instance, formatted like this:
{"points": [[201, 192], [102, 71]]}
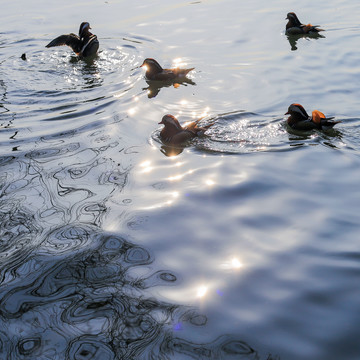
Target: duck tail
{"points": [[186, 71]]}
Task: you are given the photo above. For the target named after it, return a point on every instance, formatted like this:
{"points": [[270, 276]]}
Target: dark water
{"points": [[244, 245]]}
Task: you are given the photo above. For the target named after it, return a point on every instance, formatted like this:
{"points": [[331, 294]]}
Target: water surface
{"points": [[243, 244]]}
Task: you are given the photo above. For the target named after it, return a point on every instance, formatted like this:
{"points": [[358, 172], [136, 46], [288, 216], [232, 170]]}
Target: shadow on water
{"points": [[155, 86], [293, 39], [170, 151], [70, 290]]}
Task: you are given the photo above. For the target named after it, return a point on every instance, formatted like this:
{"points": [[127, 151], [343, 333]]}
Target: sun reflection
{"points": [[205, 112], [201, 291], [175, 177], [178, 62], [210, 182], [145, 163], [179, 176], [236, 264], [175, 194], [145, 67], [147, 169], [158, 206], [132, 111], [146, 166], [232, 264]]}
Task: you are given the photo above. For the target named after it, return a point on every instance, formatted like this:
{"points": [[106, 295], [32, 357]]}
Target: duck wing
{"points": [[305, 125], [311, 28], [164, 75], [182, 137], [294, 31], [71, 40], [197, 130], [323, 122]]}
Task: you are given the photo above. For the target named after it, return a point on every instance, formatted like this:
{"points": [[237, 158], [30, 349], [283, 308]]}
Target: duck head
{"points": [[293, 20], [152, 66], [84, 29], [171, 122], [297, 113]]}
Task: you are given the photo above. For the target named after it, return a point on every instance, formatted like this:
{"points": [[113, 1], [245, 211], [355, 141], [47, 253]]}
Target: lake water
{"points": [[242, 245]]}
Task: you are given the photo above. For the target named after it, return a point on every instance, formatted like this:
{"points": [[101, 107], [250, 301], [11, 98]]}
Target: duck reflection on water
{"points": [[155, 86], [293, 39]]}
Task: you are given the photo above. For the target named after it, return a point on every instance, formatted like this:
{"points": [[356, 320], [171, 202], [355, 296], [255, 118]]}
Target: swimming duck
{"points": [[84, 45], [300, 120], [295, 27], [173, 133], [154, 71]]}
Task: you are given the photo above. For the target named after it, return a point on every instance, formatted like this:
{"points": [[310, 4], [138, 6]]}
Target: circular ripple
{"points": [[86, 349], [29, 346], [113, 243], [137, 256]]}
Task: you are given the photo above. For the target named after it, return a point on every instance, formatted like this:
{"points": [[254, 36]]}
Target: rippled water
{"points": [[241, 245]]}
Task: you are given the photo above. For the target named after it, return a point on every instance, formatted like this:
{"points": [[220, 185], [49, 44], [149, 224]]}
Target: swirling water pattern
{"points": [[242, 246]]}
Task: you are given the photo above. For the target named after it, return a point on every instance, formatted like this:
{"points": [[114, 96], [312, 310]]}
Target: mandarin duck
{"points": [[84, 45], [174, 134], [300, 120], [154, 71], [295, 27]]}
